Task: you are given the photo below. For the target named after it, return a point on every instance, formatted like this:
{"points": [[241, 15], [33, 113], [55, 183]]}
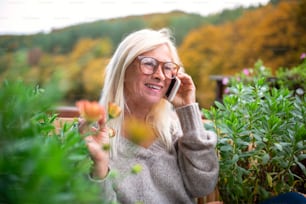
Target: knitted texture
{"points": [[188, 171]]}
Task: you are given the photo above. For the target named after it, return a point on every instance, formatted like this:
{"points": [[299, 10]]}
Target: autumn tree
{"points": [[269, 33]]}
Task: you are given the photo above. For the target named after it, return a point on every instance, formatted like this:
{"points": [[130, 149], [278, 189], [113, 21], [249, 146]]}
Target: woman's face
{"points": [[143, 89]]}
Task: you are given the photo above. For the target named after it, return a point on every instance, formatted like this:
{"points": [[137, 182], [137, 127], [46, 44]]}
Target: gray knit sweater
{"points": [[188, 171]]}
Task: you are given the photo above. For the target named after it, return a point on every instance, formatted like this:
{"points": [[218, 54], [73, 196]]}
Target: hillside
{"points": [[63, 40], [274, 34], [219, 44]]}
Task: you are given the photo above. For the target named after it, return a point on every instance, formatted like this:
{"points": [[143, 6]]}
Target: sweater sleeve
{"points": [[197, 156], [107, 192]]}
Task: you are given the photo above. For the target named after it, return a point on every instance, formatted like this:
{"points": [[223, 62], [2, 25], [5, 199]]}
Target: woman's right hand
{"points": [[98, 148]]}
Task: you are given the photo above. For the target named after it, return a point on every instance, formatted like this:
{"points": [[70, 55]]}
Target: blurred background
{"points": [[213, 39]]}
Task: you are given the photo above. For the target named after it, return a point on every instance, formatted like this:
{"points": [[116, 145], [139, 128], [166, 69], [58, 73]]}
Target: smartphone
{"points": [[173, 88]]}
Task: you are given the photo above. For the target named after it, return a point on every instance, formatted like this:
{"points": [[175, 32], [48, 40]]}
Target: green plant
{"points": [[37, 163], [261, 138], [293, 78]]}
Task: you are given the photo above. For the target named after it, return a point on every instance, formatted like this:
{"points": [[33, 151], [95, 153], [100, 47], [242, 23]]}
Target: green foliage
{"points": [[294, 78], [226, 15], [183, 24], [63, 40], [39, 163], [261, 138]]}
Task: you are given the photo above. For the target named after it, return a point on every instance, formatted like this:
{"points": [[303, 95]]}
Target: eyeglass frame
{"points": [[140, 58]]}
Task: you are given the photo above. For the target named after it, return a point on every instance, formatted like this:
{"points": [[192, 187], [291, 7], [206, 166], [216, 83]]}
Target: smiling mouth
{"points": [[155, 87]]}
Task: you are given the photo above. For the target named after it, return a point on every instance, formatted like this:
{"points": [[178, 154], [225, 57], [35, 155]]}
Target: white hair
{"points": [[133, 45]]}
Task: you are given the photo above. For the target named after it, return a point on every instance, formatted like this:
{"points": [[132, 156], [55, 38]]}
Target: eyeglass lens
{"points": [[149, 65]]}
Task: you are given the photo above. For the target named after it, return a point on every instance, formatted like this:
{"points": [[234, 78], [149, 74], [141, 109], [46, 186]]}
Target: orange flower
{"points": [[138, 131], [113, 110], [91, 111]]}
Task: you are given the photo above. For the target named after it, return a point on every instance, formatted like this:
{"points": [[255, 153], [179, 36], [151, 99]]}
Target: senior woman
{"points": [[178, 159]]}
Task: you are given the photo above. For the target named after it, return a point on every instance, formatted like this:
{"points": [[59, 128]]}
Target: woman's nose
{"points": [[159, 74]]}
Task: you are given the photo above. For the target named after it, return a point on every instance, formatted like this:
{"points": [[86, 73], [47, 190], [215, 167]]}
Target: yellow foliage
{"points": [[268, 33], [59, 59], [103, 47], [96, 47], [93, 76], [82, 47]]}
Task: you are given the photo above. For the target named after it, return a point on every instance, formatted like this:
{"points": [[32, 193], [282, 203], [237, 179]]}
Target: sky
{"points": [[33, 16]]}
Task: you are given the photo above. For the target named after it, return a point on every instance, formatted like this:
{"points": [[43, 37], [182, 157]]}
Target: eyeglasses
{"points": [[149, 65]]}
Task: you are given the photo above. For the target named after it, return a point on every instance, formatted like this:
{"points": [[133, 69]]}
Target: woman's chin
{"points": [[153, 99]]}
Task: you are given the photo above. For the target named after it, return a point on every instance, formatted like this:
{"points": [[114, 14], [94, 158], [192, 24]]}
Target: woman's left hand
{"points": [[186, 92]]}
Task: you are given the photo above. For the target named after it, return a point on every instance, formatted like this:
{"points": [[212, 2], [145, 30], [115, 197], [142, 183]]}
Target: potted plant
{"points": [[261, 137]]}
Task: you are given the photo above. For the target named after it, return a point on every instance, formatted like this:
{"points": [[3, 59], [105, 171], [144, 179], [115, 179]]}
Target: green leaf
{"points": [[278, 146], [302, 167], [265, 159], [269, 180], [235, 158], [219, 105], [227, 148]]}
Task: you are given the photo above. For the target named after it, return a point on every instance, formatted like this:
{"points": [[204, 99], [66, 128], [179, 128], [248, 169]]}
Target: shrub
{"points": [[37, 163], [261, 137]]}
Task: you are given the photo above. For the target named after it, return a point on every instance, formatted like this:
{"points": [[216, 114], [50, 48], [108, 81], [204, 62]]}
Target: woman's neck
{"points": [[137, 111]]}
